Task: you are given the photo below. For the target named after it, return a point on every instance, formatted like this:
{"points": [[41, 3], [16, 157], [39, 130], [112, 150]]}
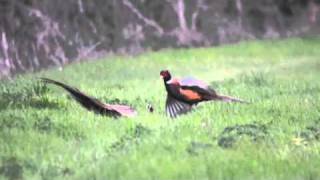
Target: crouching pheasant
{"points": [[94, 104], [182, 94]]}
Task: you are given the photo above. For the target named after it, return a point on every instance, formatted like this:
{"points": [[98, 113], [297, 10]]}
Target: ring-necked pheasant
{"points": [[182, 94], [94, 104]]}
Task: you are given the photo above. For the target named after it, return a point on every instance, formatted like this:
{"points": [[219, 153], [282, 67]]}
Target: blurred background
{"points": [[38, 34]]}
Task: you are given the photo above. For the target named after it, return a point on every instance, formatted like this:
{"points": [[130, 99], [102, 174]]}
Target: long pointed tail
{"points": [[230, 99], [86, 101], [71, 90], [79, 96]]}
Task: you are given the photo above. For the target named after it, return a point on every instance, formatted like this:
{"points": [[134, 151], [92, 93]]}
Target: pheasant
{"points": [[94, 104], [183, 94]]}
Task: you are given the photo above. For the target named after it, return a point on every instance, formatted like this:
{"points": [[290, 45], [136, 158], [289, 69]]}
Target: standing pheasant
{"points": [[94, 104], [182, 94]]}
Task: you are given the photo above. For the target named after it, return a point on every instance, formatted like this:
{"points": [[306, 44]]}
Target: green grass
{"points": [[44, 134]]}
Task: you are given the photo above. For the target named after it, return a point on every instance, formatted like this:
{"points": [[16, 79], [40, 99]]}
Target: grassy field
{"points": [[44, 134]]}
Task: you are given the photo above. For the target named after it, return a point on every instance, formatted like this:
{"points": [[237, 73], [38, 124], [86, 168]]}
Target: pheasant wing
{"points": [[195, 89], [175, 107], [191, 81]]}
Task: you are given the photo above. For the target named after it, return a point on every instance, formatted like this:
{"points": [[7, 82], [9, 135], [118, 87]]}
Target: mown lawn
{"points": [[44, 134]]}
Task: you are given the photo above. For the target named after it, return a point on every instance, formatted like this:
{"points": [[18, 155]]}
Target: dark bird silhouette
{"points": [[183, 93], [94, 104]]}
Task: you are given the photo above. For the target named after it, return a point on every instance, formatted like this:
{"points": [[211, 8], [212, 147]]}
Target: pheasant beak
{"points": [[162, 76]]}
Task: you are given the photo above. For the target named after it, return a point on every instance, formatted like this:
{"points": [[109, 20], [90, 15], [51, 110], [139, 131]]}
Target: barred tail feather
{"points": [[229, 99], [94, 104]]}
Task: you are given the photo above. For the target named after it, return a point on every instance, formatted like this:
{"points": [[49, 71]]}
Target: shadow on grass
{"points": [[132, 137], [232, 134], [11, 168], [310, 133]]}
